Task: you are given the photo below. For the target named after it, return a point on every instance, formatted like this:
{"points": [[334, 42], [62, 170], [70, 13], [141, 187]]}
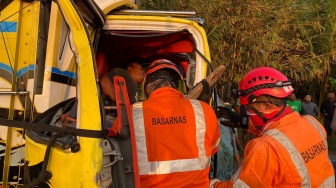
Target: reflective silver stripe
{"points": [[329, 182], [294, 155], [318, 128], [200, 133], [165, 167], [216, 144], [236, 174], [238, 182], [140, 138], [213, 182]]}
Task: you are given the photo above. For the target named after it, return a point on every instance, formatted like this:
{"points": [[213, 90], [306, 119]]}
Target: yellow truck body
{"points": [[48, 53]]}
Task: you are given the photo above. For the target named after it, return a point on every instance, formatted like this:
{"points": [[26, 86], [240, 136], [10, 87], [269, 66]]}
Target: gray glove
{"points": [[231, 119], [206, 92]]}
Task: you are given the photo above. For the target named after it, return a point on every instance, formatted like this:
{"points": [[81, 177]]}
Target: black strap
{"points": [[54, 129], [263, 86], [263, 117], [215, 165], [44, 175]]}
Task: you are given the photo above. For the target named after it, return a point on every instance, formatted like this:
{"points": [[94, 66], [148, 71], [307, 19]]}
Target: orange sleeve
{"points": [[259, 167], [224, 184]]}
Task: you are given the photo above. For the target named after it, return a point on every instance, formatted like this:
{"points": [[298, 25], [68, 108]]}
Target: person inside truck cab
{"points": [[175, 136], [133, 75]]}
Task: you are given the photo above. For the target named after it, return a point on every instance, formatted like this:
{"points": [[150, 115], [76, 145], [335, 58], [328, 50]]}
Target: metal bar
{"points": [[14, 92], [110, 107], [200, 21], [8, 150], [157, 13]]}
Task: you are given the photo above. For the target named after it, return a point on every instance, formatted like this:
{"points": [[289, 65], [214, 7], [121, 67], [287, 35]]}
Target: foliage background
{"points": [[296, 37]]}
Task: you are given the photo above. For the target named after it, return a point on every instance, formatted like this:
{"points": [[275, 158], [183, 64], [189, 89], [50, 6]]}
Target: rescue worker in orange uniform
{"points": [[292, 150], [175, 136]]}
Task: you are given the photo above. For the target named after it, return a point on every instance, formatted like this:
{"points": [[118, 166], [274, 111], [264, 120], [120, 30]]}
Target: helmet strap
{"points": [[261, 115]]}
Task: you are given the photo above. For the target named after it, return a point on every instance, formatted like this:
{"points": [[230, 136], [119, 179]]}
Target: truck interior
{"points": [[117, 48]]}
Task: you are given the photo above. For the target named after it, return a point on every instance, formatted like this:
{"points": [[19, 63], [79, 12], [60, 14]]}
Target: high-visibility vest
{"points": [[293, 152], [175, 138]]}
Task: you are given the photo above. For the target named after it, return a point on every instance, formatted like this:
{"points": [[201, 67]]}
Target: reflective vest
{"points": [[292, 152], [175, 138]]}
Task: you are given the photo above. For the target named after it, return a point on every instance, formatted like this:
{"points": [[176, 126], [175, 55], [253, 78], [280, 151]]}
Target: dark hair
{"points": [[165, 74]]}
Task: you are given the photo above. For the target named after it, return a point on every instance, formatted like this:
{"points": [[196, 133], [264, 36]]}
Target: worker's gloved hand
{"points": [[206, 92], [231, 119]]}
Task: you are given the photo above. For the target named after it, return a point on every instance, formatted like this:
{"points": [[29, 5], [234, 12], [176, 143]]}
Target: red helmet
{"points": [[163, 64], [263, 81]]}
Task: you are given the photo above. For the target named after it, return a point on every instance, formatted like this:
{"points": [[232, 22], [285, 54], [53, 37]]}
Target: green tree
{"points": [[296, 37]]}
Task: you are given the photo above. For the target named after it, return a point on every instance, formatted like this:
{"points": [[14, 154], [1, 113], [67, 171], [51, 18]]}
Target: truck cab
{"points": [[52, 55]]}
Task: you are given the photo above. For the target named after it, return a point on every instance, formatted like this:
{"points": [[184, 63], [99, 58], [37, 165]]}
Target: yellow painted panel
{"points": [[77, 169], [8, 39], [29, 35], [68, 169]]}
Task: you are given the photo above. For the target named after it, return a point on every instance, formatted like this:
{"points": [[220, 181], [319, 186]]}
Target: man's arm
{"points": [[107, 87], [259, 159]]}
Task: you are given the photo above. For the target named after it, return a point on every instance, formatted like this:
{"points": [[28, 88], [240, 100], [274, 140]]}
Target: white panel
{"points": [[53, 93], [5, 99]]}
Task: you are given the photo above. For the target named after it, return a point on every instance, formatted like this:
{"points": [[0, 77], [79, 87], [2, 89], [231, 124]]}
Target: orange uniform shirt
{"points": [[292, 152], [175, 138]]}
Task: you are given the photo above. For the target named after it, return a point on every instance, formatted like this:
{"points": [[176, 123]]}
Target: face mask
{"points": [[271, 116]]}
